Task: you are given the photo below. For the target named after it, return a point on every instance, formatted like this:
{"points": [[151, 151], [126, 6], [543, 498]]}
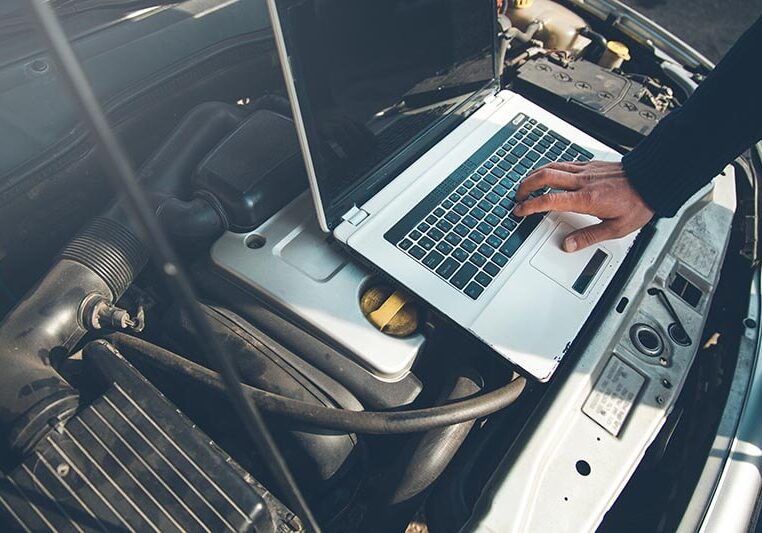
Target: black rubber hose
{"points": [[418, 467], [100, 261], [367, 422], [195, 223]]}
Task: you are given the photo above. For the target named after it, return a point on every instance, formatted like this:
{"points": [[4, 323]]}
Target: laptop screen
{"points": [[373, 76]]}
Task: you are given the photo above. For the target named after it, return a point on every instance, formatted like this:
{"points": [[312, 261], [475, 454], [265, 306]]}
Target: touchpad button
{"points": [[576, 272]]}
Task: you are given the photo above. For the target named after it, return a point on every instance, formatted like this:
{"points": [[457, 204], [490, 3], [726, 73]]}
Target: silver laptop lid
{"points": [[374, 84]]}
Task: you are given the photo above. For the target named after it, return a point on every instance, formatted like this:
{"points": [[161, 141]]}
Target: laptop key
{"points": [[444, 247], [507, 203], [464, 275], [484, 228], [460, 254], [470, 221], [486, 250], [492, 269], [415, 235], [586, 153], [478, 259], [508, 223], [476, 237], [484, 205], [498, 172], [499, 259], [405, 244], [492, 219], [469, 201], [474, 290], [439, 211], [417, 252], [490, 179], [444, 225], [492, 198], [461, 209], [453, 217], [461, 190], [494, 240], [484, 186], [453, 239], [476, 193], [447, 204], [483, 279], [447, 268], [500, 211], [423, 227], [469, 245], [454, 197], [499, 190], [433, 259], [461, 229], [478, 213], [426, 243], [519, 150], [435, 234], [431, 219], [512, 159], [501, 233]]}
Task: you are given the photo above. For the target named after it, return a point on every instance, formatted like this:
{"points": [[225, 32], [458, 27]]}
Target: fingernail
{"points": [[570, 244]]}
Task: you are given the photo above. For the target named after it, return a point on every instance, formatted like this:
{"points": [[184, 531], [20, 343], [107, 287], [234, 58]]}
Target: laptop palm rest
{"points": [[576, 272]]}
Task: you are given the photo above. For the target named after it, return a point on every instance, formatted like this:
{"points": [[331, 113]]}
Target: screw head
{"points": [[660, 400], [63, 470]]}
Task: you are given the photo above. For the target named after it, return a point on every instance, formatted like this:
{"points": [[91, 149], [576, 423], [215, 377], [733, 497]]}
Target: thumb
{"points": [[582, 238]]}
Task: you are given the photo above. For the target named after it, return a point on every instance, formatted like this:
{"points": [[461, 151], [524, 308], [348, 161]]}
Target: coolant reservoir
{"points": [[560, 26]]}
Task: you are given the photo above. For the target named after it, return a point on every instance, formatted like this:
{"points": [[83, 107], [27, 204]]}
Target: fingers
{"points": [[548, 177], [582, 238], [576, 202]]}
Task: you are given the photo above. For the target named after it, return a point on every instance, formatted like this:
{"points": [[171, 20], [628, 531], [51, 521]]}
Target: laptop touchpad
{"points": [[576, 272]]}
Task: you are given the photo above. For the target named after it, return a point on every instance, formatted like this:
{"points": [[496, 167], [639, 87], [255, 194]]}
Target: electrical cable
{"points": [[365, 422], [119, 169]]}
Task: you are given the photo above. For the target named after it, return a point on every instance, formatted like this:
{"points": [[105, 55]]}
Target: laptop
{"points": [[414, 153]]}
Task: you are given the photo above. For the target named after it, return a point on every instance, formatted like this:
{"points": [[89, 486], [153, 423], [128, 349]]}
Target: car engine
{"points": [[114, 417]]}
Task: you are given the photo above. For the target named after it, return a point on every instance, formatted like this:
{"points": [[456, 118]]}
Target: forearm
{"points": [[693, 144]]}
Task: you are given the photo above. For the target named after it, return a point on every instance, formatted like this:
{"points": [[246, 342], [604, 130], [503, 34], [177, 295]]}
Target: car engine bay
{"points": [[114, 417]]}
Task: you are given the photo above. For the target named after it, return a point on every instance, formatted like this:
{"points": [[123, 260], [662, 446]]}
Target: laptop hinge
{"points": [[355, 216]]}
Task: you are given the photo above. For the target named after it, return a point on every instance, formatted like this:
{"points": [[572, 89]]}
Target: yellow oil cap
{"points": [[519, 4], [619, 49], [392, 312]]}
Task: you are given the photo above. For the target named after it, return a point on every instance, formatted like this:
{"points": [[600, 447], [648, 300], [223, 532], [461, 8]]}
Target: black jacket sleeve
{"points": [[694, 143]]}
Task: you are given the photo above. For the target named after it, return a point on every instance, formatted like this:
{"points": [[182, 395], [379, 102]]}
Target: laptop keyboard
{"points": [[464, 230]]}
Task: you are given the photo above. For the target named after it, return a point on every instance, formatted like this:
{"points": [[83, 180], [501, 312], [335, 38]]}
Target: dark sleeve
{"points": [[694, 143]]}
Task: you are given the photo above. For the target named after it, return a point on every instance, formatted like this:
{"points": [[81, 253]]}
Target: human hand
{"points": [[598, 188]]}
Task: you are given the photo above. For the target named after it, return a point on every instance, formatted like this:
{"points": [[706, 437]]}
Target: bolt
{"points": [[39, 66], [62, 470], [660, 400]]}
